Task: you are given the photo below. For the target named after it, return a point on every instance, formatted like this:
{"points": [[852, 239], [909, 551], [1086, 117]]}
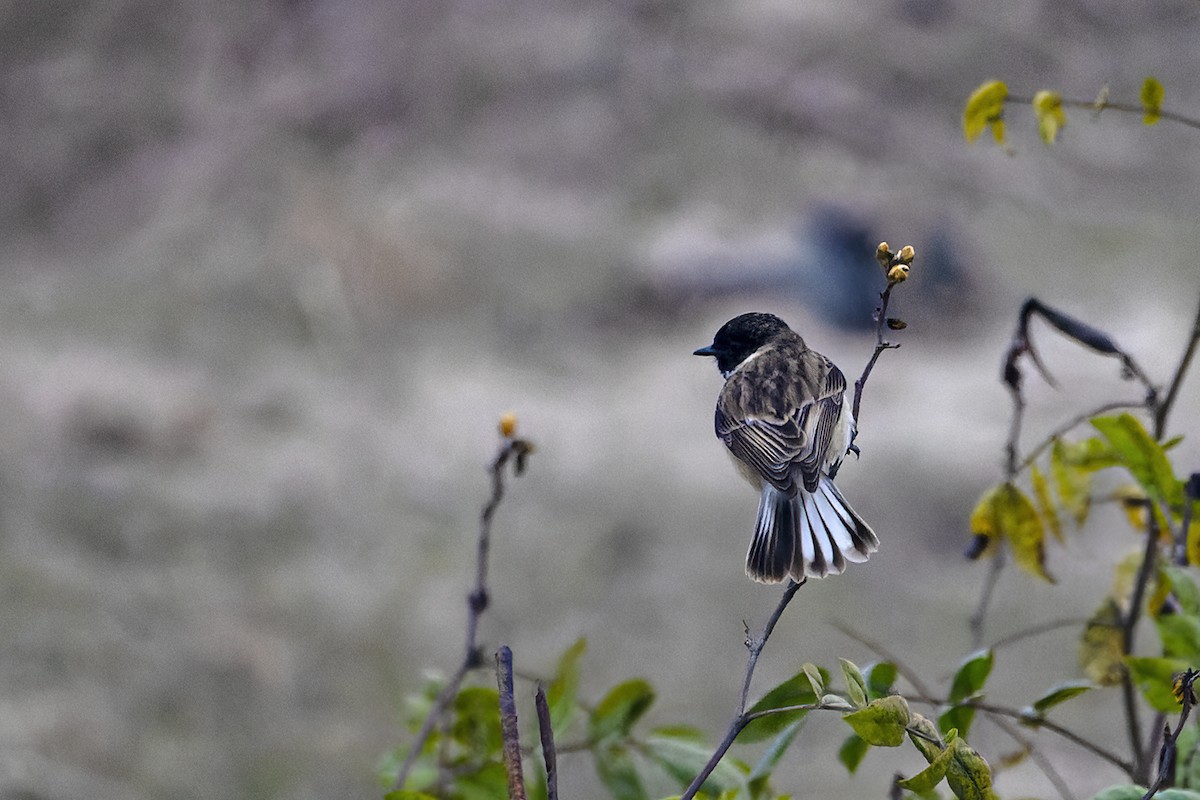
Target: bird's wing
{"points": [[791, 437]]}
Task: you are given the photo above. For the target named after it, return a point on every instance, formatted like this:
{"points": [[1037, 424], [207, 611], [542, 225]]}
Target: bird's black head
{"points": [[740, 337]]}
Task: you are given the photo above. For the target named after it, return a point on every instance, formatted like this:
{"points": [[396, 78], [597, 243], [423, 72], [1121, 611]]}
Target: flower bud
{"points": [[883, 254], [508, 424], [898, 273], [907, 254]]}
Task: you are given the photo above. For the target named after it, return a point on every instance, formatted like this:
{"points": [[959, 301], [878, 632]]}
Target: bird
{"points": [[786, 419]]}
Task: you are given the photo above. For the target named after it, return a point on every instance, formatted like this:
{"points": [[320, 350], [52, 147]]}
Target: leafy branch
{"points": [[984, 109]]}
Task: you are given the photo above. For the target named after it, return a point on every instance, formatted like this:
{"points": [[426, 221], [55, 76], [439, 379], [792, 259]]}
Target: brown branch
{"points": [[516, 450], [508, 724], [742, 719], [547, 736]]}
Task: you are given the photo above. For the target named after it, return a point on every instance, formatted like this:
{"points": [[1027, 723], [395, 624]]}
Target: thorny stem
{"points": [[477, 602]]}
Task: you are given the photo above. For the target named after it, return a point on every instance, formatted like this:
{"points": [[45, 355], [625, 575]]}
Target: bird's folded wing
{"points": [[778, 447]]}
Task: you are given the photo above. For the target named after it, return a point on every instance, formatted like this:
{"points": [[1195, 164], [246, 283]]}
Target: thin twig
{"points": [[547, 736], [1160, 417], [1043, 763], [1127, 108], [880, 345], [1036, 630], [1067, 427], [477, 602], [1133, 722], [508, 724], [742, 719], [1039, 722], [985, 597], [878, 649]]}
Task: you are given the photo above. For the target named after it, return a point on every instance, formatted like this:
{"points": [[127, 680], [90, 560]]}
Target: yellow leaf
{"points": [[1005, 512], [1045, 506], [1152, 97], [1050, 115], [1193, 540], [1134, 503], [1073, 484], [984, 108], [1100, 655]]}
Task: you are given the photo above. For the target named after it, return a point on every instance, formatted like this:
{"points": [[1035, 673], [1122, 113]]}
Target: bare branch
{"points": [[547, 737], [508, 724], [511, 449]]}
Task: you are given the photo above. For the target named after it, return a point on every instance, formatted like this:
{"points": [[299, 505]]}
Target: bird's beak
{"points": [[705, 351]]}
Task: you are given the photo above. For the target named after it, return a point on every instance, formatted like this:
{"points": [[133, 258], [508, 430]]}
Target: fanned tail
{"points": [[806, 534]]}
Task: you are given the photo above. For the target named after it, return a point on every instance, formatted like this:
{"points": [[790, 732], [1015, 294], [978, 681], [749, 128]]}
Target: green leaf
{"points": [[489, 782], [560, 694], [1060, 693], [477, 720], [1152, 97], [856, 685], [1006, 512], [932, 775], [1186, 763], [682, 757], [972, 674], [795, 691], [925, 737], [852, 752], [1091, 455], [814, 678], [967, 773], [957, 718], [881, 722], [759, 776], [880, 677], [1101, 656], [1072, 482], [1145, 459], [408, 794], [1048, 106], [620, 709], [985, 108], [1154, 677], [618, 773], [1043, 502], [1180, 635], [1128, 792], [1121, 792], [1184, 589]]}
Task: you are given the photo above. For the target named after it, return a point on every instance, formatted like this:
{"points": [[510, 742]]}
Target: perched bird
{"points": [[785, 416]]}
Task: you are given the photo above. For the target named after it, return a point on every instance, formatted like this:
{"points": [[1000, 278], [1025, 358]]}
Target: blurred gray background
{"points": [[272, 271]]}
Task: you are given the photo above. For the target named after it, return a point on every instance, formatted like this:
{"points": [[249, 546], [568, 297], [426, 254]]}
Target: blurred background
{"points": [[272, 271]]}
